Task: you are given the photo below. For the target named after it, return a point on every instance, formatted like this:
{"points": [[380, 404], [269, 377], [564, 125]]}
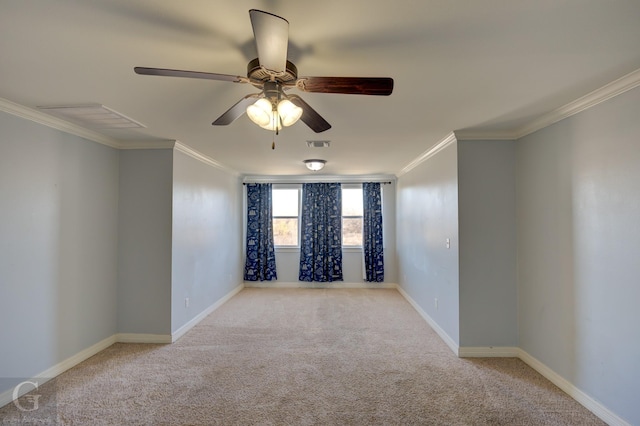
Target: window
{"points": [[352, 216], [285, 205], [286, 216]]}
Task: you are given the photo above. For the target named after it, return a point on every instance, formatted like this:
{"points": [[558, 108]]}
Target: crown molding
{"points": [[488, 135], [604, 93], [179, 146], [319, 178], [56, 123], [150, 144], [67, 127], [74, 129], [448, 140]]}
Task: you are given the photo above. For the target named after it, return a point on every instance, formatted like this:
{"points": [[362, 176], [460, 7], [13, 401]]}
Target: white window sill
{"points": [[352, 249], [287, 249]]}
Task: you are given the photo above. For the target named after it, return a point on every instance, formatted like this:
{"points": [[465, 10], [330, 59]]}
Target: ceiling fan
{"points": [[273, 74]]}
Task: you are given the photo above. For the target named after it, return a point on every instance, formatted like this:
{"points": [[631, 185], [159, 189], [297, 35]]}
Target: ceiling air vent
{"points": [[94, 116], [318, 144]]}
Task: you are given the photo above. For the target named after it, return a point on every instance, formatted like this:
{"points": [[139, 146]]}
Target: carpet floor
{"points": [[301, 357]]}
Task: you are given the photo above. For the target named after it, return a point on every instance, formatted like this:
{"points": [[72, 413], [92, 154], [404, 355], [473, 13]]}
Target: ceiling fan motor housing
{"points": [[256, 72], [272, 91]]}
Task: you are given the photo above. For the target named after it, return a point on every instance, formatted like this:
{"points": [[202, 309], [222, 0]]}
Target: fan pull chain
{"points": [[275, 127], [273, 144]]}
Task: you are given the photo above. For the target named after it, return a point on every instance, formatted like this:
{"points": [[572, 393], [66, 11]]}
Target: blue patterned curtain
{"points": [[260, 263], [372, 232], [321, 246]]}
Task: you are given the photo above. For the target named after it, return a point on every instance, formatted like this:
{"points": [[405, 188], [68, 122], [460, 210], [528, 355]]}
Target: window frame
{"points": [[361, 217], [298, 188]]}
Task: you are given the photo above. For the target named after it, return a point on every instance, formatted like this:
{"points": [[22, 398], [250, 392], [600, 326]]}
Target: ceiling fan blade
{"points": [[271, 33], [236, 111], [380, 86], [190, 74], [309, 116]]}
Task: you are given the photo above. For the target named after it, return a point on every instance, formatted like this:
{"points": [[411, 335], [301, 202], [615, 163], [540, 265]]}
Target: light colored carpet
{"points": [[303, 357]]}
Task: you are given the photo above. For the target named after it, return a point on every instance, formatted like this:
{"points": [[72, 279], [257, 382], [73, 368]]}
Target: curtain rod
{"points": [[300, 182]]}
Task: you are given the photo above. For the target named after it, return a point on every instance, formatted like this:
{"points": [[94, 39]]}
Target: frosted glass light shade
{"points": [[261, 113], [289, 113], [274, 122], [314, 165]]}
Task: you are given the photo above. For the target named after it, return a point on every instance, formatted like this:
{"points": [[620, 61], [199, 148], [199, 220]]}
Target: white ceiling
{"points": [[482, 66]]}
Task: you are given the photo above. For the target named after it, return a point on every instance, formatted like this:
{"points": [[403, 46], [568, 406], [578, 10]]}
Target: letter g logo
{"points": [[31, 399]]}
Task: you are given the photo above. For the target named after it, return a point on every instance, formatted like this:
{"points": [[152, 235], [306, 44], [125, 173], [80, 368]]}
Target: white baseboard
{"points": [[302, 284], [443, 335], [489, 352], [7, 396], [48, 374], [570, 389], [188, 326], [142, 338]]}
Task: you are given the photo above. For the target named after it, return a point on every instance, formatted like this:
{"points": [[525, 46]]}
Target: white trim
{"points": [[486, 135], [179, 146], [588, 402], [318, 178], [569, 388], [7, 396], [74, 129], [48, 374], [202, 315], [443, 335], [604, 93], [56, 123], [77, 130], [302, 284], [448, 140], [168, 144], [142, 338], [489, 352]]}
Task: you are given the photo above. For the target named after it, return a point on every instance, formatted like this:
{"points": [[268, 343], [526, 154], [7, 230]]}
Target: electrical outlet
{"points": [[186, 302], [448, 243], [436, 303]]}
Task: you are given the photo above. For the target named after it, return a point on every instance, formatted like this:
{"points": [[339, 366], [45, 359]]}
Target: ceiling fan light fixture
{"points": [[274, 123], [314, 164], [261, 113], [288, 112]]}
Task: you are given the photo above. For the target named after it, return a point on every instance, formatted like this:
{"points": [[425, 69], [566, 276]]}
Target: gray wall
{"points": [[58, 246], [207, 229], [487, 226], [427, 214], [144, 249], [578, 212], [87, 238]]}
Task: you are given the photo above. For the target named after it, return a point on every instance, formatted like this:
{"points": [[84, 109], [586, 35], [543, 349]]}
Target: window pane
{"points": [[352, 231], [352, 202], [285, 202], [285, 231]]}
